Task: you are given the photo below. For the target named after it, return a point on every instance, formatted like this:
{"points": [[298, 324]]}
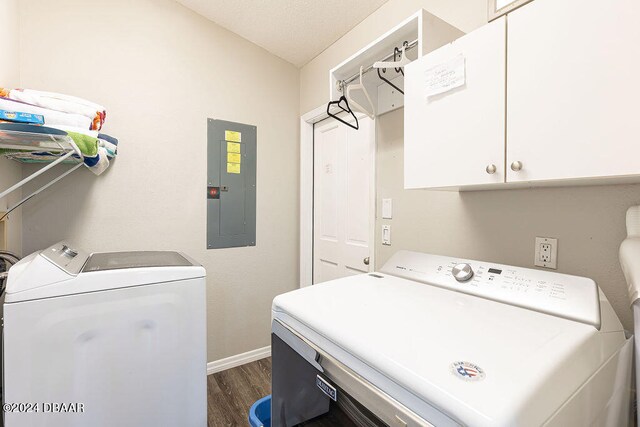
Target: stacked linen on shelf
{"points": [[97, 148], [78, 112], [80, 119]]}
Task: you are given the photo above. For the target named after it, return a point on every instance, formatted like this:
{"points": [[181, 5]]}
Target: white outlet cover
{"points": [[386, 235], [540, 260]]}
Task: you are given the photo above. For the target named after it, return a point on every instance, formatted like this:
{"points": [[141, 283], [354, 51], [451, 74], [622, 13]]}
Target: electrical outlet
{"points": [[546, 252]]}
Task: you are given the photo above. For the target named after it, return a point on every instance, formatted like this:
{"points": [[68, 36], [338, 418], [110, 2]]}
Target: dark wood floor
{"points": [[232, 392]]}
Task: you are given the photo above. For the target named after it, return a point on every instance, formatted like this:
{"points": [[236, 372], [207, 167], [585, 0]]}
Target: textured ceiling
{"points": [[294, 30]]}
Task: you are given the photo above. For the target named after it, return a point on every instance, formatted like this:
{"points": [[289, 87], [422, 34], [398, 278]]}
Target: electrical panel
{"points": [[231, 184]]}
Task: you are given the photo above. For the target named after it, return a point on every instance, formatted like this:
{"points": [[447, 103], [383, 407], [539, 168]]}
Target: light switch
{"points": [[386, 235], [387, 209]]}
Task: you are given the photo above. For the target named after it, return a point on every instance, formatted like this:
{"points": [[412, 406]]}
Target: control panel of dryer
{"points": [[571, 297]]}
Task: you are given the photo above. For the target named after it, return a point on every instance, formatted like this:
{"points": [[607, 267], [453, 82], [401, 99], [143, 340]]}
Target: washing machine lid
{"points": [[144, 259], [63, 269], [479, 361]]}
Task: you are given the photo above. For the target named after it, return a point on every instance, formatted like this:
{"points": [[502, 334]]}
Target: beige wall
{"points": [[498, 226], [10, 172], [162, 71]]}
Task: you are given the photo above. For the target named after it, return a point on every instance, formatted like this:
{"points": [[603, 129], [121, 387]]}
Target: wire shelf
{"points": [[35, 141], [38, 146]]}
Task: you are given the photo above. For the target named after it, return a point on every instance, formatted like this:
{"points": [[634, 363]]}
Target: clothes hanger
{"points": [[345, 108], [359, 86], [404, 60], [384, 79], [397, 52], [403, 57]]}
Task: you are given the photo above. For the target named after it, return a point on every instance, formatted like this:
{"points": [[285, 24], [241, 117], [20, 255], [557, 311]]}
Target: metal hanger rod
{"points": [[370, 67]]}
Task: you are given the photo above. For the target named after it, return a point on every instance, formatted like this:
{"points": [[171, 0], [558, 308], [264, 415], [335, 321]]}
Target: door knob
{"points": [[516, 166], [491, 169], [366, 261]]}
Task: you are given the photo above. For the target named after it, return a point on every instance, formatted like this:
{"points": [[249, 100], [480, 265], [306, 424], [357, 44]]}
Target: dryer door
{"points": [[307, 383]]}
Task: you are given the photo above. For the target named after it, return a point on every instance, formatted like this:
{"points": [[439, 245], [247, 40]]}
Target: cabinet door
{"points": [[454, 138], [573, 89]]}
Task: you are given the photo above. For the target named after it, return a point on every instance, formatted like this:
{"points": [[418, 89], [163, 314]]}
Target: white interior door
{"points": [[343, 199]]}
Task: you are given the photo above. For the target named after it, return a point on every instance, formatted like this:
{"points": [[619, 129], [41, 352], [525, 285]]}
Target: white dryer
{"points": [[104, 339], [432, 340]]}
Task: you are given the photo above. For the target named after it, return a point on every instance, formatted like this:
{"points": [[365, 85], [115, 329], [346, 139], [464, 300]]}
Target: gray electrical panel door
{"points": [[231, 184]]}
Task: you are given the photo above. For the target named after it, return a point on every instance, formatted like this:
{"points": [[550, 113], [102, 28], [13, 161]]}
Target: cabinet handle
{"points": [[516, 166], [366, 261], [491, 169]]}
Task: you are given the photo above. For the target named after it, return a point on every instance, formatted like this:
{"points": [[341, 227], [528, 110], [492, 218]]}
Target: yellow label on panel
{"points": [[234, 158], [233, 147], [233, 136], [233, 167]]}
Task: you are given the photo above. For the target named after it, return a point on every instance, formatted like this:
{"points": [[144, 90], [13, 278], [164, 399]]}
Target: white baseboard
{"points": [[238, 359]]}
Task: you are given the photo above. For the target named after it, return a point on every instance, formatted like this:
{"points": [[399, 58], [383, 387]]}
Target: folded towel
{"points": [[112, 150], [59, 102], [51, 117], [98, 163], [108, 138], [91, 133], [88, 145], [109, 143]]}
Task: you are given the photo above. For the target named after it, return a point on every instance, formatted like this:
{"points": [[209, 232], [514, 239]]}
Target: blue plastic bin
{"points": [[260, 413]]}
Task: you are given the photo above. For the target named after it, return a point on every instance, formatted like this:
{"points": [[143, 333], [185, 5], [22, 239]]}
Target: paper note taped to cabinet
{"points": [[446, 76]]}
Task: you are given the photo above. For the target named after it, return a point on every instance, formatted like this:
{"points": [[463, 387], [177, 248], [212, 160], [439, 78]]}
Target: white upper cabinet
{"points": [[457, 138], [573, 90], [571, 110]]}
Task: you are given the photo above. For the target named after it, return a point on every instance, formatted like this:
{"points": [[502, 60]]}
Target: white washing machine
{"points": [[630, 262], [104, 339], [439, 341]]}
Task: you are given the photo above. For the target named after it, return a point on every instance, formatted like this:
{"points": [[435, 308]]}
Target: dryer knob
{"points": [[68, 252], [462, 272]]}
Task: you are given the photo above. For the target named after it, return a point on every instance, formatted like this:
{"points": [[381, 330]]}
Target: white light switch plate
{"points": [[386, 235], [546, 252], [387, 209]]}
